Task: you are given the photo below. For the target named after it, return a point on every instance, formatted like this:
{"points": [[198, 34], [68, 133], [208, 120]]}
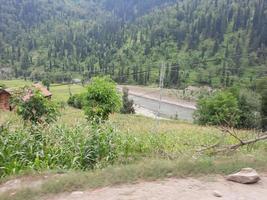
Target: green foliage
{"points": [[81, 146], [219, 109], [36, 108], [46, 82], [127, 104], [76, 101], [262, 90], [2, 86], [101, 147], [101, 99], [235, 107], [91, 38], [55, 147], [249, 105]]}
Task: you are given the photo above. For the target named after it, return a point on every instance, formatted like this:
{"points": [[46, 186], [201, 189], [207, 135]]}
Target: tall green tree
{"points": [[101, 99]]}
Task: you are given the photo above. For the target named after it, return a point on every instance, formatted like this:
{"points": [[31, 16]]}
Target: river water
{"points": [[167, 110]]}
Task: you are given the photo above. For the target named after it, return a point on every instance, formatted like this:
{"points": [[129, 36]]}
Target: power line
{"points": [[173, 67], [158, 62]]}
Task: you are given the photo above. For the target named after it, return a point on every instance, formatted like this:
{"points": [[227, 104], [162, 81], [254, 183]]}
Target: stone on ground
{"points": [[217, 193], [245, 176]]}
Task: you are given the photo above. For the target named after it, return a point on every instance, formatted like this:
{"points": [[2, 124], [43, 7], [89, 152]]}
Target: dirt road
{"points": [[175, 189]]}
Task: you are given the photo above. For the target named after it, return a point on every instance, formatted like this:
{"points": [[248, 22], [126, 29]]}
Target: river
{"points": [[167, 110]]}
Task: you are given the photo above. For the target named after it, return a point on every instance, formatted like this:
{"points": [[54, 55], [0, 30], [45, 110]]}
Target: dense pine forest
{"points": [[218, 43]]}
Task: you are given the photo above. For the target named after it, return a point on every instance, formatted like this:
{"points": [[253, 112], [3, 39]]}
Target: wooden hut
{"points": [[5, 96], [44, 91]]}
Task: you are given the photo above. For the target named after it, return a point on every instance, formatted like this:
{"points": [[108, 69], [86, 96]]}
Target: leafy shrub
{"points": [[249, 105], [236, 107], [76, 101], [37, 109], [262, 90], [219, 109], [71, 101], [46, 82], [127, 104], [101, 99]]}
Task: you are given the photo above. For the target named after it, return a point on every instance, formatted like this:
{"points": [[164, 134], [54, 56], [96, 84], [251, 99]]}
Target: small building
{"points": [[76, 81], [5, 97], [44, 91], [47, 94], [6, 94]]}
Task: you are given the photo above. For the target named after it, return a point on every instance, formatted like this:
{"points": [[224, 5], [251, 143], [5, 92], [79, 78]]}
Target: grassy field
{"points": [[60, 92], [143, 149], [15, 83]]}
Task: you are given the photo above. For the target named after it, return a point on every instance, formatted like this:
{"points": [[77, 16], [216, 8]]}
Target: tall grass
{"points": [[84, 146], [55, 147]]}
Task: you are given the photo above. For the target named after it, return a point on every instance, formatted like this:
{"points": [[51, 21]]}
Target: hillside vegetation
{"points": [[79, 152], [201, 42], [75, 143]]}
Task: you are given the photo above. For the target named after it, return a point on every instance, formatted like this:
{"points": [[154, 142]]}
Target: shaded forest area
{"points": [[201, 42]]}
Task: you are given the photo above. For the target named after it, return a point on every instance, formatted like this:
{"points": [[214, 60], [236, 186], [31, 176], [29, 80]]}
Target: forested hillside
{"points": [[200, 42]]}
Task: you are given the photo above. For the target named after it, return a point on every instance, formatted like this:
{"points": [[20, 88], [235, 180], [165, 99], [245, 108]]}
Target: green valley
{"points": [[200, 42]]}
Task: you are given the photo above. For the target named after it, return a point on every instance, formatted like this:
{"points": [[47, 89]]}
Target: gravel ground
{"points": [[175, 189]]}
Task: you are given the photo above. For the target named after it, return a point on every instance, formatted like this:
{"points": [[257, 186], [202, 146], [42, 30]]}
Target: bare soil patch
{"points": [[172, 189], [25, 182]]}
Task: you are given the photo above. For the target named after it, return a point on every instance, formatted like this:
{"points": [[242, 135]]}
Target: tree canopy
{"points": [[101, 99], [202, 42]]}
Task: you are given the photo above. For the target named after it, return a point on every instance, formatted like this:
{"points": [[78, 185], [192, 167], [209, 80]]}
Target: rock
{"points": [[77, 193], [217, 193], [245, 176]]}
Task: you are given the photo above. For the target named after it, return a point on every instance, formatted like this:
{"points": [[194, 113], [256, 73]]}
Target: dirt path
{"points": [[175, 189], [26, 182]]}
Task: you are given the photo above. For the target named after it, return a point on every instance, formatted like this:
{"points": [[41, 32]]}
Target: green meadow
{"points": [[125, 149]]}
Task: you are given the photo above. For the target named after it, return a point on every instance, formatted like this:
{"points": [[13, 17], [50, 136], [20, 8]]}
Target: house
{"points": [[76, 81], [5, 96], [44, 91]]}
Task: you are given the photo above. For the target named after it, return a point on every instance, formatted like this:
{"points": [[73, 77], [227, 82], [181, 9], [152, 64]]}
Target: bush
{"points": [[127, 104], [37, 109], [249, 105], [101, 99], [262, 90], [219, 109], [46, 82], [235, 107], [76, 101]]}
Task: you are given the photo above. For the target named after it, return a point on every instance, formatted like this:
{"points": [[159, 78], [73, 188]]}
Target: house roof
{"points": [[42, 89], [5, 91], [39, 87]]}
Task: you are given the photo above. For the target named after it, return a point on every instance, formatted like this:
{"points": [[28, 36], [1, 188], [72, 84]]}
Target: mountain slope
{"points": [[124, 38]]}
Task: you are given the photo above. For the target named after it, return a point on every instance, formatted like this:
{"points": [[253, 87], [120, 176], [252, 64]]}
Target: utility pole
{"points": [[161, 85]]}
